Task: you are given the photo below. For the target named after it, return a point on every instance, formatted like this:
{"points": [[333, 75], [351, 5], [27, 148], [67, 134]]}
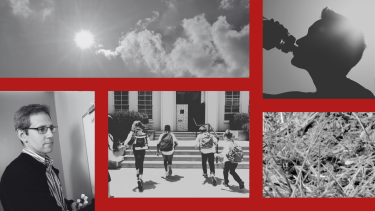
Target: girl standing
{"points": [[139, 141]]}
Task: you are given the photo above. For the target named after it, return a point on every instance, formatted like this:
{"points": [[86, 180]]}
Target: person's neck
{"points": [[326, 83], [40, 154]]}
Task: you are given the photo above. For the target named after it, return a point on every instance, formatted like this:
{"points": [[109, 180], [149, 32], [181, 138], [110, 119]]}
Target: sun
{"points": [[84, 39]]}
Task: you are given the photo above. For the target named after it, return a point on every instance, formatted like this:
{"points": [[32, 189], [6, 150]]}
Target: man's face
{"points": [[40, 143], [320, 46]]}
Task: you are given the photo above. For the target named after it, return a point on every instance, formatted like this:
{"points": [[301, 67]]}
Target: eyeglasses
{"points": [[43, 130]]}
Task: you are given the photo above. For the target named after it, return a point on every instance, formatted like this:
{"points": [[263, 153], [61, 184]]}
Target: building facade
{"points": [[182, 110]]}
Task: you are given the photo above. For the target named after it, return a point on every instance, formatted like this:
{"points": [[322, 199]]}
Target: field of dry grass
{"points": [[319, 154]]}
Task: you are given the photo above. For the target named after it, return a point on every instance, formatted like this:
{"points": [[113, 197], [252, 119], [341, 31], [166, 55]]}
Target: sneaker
{"points": [[170, 170], [140, 185], [213, 180], [166, 174], [204, 175], [242, 185], [226, 184]]}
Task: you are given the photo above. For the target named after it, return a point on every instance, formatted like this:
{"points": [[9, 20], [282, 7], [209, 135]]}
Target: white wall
{"points": [[156, 110], [70, 108], [111, 101], [10, 146]]}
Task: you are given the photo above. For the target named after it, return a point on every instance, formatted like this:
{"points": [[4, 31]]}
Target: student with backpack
{"points": [[167, 143], [139, 142], [232, 155], [206, 143]]}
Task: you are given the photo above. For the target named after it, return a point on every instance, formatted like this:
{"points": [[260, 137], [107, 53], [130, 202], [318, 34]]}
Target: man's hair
{"points": [[354, 38], [22, 115]]}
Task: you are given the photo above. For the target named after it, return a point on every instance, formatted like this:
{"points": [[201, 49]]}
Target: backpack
{"points": [[166, 143], [140, 139], [235, 154], [206, 141]]}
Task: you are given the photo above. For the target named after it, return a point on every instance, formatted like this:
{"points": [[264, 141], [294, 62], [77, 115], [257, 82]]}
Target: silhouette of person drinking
{"points": [[331, 48]]}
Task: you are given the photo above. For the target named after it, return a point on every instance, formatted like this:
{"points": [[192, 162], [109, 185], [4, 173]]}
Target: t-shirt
{"points": [[136, 148], [206, 151]]}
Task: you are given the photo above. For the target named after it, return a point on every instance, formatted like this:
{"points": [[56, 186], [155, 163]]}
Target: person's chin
{"points": [[48, 148]]}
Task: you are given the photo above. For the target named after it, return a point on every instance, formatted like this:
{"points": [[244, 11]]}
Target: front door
{"points": [[182, 117]]}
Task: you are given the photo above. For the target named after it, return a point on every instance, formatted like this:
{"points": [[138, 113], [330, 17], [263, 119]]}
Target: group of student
{"points": [[231, 154]]}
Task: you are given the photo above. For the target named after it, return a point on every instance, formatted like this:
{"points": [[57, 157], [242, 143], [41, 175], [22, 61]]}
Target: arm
{"points": [[128, 138], [110, 142], [174, 141], [197, 141], [158, 144]]}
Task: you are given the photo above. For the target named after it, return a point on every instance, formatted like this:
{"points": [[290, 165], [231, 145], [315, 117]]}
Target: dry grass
{"points": [[315, 154]]}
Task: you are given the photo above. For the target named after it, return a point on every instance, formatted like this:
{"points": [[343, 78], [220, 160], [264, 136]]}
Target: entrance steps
{"points": [[185, 156], [186, 136]]}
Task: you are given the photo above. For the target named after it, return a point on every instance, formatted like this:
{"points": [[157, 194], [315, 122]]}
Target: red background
{"points": [[257, 106]]}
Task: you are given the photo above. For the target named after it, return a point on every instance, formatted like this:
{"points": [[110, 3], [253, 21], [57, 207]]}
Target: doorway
{"points": [[189, 108]]}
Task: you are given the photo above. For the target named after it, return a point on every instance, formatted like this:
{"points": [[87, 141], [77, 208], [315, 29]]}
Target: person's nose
{"points": [[49, 133]]}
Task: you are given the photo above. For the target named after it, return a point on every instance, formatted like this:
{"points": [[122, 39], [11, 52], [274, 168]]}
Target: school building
{"points": [[182, 110]]}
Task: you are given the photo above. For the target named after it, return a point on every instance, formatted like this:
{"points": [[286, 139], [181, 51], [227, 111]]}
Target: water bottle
{"points": [[278, 37]]}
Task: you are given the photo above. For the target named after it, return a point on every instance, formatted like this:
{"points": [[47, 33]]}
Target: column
{"points": [[168, 109], [212, 108]]}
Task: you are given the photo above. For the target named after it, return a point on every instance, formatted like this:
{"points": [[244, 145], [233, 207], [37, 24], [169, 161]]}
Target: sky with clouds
{"points": [[133, 38]]}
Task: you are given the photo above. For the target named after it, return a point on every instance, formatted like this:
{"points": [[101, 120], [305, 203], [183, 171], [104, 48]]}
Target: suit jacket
{"points": [[24, 186]]}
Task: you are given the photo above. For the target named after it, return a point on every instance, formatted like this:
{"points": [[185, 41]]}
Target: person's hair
{"points": [[202, 129], [137, 123], [356, 42], [23, 114], [228, 134], [167, 128]]}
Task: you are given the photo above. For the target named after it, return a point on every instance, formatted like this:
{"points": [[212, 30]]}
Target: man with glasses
{"points": [[30, 182]]}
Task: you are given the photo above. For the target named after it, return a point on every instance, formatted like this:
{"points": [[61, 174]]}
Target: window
{"points": [[232, 104], [145, 103], [121, 100]]}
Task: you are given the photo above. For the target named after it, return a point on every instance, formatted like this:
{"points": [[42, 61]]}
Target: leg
{"points": [[142, 154], [169, 158], [109, 179], [204, 165], [165, 161], [211, 162], [235, 175], [226, 171], [136, 158]]}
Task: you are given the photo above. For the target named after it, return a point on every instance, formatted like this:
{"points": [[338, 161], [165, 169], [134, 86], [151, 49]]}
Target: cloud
{"points": [[21, 7], [24, 8], [226, 4], [148, 21], [205, 50], [230, 4]]}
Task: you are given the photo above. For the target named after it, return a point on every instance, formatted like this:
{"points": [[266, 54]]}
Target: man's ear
{"points": [[22, 135]]}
